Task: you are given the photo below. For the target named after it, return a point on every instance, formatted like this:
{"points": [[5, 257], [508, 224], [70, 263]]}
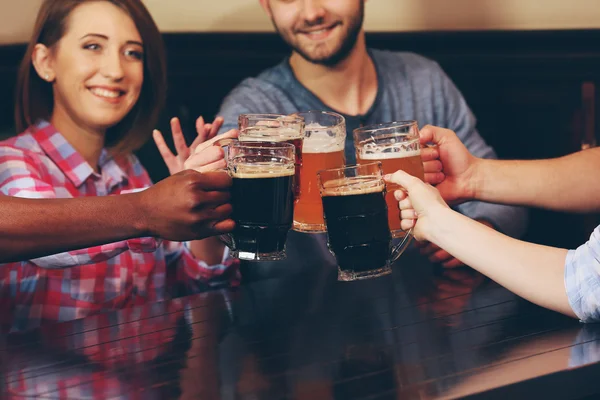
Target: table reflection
{"points": [[423, 332]]}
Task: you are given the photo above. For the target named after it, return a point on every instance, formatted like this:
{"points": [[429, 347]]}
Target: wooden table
{"points": [[291, 331]]}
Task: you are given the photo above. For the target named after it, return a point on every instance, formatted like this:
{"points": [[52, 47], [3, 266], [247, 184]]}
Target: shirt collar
{"points": [[70, 162]]}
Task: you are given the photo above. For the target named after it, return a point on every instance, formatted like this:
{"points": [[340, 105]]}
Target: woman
{"points": [[90, 87]]}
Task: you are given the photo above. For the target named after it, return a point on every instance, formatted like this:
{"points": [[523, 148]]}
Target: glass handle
{"points": [[399, 248], [228, 240]]}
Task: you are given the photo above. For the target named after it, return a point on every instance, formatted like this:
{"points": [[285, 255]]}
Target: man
{"points": [[331, 68], [565, 281]]}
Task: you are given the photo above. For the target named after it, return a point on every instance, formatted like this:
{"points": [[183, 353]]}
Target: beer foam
{"points": [[322, 142], [261, 170], [267, 134], [378, 151], [353, 186], [389, 155]]}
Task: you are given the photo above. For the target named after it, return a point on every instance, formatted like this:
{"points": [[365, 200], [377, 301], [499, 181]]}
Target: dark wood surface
{"points": [[291, 331]]}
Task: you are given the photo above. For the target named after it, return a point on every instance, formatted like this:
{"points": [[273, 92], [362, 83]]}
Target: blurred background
{"points": [[528, 69]]}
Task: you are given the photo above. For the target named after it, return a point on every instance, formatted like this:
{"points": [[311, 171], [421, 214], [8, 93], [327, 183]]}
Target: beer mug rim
{"points": [[341, 121], [262, 145], [272, 117], [353, 166], [384, 126]]}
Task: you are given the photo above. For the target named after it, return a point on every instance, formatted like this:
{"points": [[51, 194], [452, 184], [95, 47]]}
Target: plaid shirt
{"points": [[40, 163], [582, 278]]}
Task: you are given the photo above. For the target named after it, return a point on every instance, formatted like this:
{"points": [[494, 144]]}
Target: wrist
{"points": [[475, 186], [139, 214], [438, 224]]}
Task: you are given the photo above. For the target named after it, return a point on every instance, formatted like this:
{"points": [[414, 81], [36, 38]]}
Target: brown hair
{"points": [[34, 95]]}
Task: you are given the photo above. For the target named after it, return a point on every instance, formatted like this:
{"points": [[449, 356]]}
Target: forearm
{"points": [[31, 228], [533, 272], [566, 183]]}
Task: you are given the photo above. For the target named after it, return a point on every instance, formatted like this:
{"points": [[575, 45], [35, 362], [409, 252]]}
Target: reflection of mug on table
{"points": [[324, 138], [396, 145], [357, 223], [262, 198]]}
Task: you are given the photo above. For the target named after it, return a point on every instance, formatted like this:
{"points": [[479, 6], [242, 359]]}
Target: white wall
{"points": [[16, 17]]}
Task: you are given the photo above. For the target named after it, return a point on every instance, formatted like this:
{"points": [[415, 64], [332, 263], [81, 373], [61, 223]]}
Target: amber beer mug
{"points": [[396, 146], [324, 138], [275, 128]]}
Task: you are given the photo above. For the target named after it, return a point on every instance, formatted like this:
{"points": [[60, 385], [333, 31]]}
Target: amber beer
{"points": [[397, 147], [325, 135]]}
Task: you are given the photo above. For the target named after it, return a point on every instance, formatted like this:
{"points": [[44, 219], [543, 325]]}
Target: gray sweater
{"points": [[409, 87]]}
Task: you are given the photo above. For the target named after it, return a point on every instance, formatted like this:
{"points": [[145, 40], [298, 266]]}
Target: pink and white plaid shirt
{"points": [[40, 163]]}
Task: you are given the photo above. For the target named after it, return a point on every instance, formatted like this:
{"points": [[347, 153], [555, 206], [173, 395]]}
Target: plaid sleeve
{"points": [[20, 177], [582, 279], [190, 271]]}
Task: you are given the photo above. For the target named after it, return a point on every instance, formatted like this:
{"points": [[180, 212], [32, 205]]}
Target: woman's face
{"points": [[97, 67]]}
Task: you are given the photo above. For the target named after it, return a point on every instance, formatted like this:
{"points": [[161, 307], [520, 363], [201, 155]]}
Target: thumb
{"points": [[403, 179], [433, 134]]}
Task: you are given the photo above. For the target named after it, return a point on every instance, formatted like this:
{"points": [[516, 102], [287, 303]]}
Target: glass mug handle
{"points": [[399, 248], [226, 238]]}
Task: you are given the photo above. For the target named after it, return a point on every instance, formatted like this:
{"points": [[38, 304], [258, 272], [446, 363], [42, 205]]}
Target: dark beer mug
{"points": [[262, 197], [356, 217]]}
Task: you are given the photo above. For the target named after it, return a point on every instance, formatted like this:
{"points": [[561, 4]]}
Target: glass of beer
{"points": [[324, 138], [396, 146], [275, 128], [262, 197], [356, 217]]}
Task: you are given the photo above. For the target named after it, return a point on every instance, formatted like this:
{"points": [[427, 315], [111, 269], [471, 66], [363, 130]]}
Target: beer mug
{"points": [[356, 217], [262, 197], [324, 139], [396, 146], [274, 128]]}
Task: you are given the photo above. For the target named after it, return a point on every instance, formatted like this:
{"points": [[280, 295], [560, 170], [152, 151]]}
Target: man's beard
{"points": [[335, 58]]}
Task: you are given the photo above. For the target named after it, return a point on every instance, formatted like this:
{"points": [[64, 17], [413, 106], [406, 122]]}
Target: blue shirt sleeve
{"points": [[582, 279]]}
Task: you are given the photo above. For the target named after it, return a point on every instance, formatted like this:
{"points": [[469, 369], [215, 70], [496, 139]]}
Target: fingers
{"points": [[407, 224], [178, 138], [200, 160], [163, 149], [216, 126], [214, 180], [400, 195], [432, 166], [403, 179], [215, 166], [230, 134], [224, 226], [434, 178], [433, 134], [453, 263], [429, 249], [215, 198], [429, 154]]}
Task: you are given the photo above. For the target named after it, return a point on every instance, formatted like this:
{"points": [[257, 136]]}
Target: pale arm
{"points": [[568, 183], [532, 271]]}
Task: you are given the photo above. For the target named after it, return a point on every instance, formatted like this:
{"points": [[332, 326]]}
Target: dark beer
{"points": [[263, 206], [357, 223], [279, 135]]}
